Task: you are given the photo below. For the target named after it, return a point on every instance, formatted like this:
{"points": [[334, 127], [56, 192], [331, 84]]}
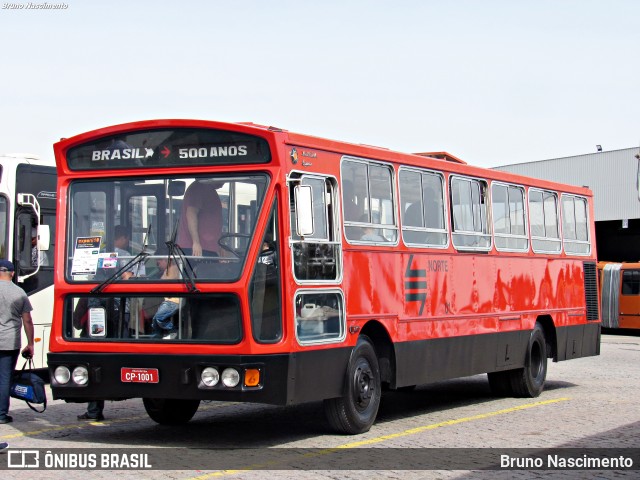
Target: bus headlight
{"points": [[62, 375], [80, 375], [230, 377], [210, 377]]}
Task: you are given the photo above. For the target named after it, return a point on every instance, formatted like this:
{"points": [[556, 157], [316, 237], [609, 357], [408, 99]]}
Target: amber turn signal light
{"points": [[251, 377]]}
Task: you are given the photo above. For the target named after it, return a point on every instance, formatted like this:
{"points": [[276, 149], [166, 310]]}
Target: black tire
{"points": [[170, 411], [356, 410], [527, 382]]}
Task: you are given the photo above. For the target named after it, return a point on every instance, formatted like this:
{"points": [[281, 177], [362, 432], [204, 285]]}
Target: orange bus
{"points": [[620, 294], [331, 271]]}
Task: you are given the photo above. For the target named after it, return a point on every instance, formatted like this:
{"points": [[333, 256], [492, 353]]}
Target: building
{"points": [[614, 178]]}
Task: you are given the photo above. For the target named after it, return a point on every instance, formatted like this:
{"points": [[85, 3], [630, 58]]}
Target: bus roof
{"points": [[432, 160]]}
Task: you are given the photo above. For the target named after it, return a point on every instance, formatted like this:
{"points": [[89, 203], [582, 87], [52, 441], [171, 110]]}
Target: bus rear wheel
{"points": [[355, 411], [170, 411], [528, 381]]}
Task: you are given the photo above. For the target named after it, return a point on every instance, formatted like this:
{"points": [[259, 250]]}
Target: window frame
{"points": [[111, 188], [376, 226], [343, 316], [525, 217], [444, 211], [633, 282], [555, 240], [487, 223], [575, 241], [333, 230]]}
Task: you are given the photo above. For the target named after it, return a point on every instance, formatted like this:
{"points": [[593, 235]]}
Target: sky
{"points": [[493, 82]]}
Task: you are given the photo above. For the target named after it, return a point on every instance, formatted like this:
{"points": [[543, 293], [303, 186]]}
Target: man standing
{"points": [[201, 219], [15, 311]]}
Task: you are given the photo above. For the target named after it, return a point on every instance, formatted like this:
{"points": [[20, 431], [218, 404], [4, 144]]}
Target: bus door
{"points": [[34, 227], [29, 256], [317, 258], [27, 223], [33, 234]]}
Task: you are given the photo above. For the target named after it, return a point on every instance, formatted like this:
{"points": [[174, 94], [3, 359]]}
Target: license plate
{"points": [[139, 375]]}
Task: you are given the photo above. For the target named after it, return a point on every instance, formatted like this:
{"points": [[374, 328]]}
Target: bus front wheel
{"points": [[170, 411], [355, 411]]}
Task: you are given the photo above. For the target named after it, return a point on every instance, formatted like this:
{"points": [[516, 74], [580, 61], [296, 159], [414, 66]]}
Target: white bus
{"points": [[27, 236]]}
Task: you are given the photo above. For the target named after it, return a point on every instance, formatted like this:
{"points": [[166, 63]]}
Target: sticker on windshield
{"points": [[97, 323], [85, 256]]}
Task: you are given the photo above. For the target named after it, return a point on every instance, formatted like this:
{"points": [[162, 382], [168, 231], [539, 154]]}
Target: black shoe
{"points": [[6, 419], [85, 416], [3, 446]]}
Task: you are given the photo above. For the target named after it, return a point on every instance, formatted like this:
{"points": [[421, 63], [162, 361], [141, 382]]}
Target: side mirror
{"points": [[23, 243], [304, 210]]}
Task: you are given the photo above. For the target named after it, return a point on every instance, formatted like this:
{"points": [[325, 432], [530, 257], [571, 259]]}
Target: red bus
{"points": [[333, 270]]}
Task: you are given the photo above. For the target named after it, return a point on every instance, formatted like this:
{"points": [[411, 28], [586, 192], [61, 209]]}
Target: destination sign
{"points": [[164, 148]]}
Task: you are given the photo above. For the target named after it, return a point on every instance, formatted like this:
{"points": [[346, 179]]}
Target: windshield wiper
{"points": [[127, 267], [133, 262], [175, 252]]}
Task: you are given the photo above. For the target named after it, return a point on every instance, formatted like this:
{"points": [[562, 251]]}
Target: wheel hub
{"points": [[363, 386]]}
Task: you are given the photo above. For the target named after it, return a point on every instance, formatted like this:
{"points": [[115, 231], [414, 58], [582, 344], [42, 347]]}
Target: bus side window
{"points": [[631, 282], [316, 256], [319, 317]]}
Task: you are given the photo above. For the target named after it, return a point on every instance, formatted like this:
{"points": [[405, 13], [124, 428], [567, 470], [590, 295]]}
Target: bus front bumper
{"points": [[283, 379]]}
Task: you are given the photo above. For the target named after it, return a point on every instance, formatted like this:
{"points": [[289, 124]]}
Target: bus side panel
{"points": [[437, 359], [578, 341], [319, 374], [629, 311], [432, 360]]}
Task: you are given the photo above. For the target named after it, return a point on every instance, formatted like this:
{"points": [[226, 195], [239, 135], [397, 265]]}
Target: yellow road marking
{"points": [[411, 431], [481, 416]]}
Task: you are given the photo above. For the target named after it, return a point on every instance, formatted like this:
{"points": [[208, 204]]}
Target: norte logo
{"points": [[415, 284]]}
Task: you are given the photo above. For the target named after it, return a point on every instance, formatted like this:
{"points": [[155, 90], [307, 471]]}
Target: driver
{"points": [[201, 219]]}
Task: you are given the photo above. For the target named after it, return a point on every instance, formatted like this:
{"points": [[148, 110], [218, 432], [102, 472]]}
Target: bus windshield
{"points": [[137, 221]]}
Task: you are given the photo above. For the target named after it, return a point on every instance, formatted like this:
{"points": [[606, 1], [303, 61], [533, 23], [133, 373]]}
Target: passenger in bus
{"points": [[162, 323], [201, 219], [38, 257], [370, 234], [413, 215], [121, 246]]}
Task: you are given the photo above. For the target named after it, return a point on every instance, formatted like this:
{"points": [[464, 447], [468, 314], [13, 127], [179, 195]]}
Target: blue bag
{"points": [[29, 387]]}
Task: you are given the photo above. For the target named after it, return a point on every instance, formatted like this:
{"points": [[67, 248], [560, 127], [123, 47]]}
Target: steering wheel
{"points": [[237, 252]]}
